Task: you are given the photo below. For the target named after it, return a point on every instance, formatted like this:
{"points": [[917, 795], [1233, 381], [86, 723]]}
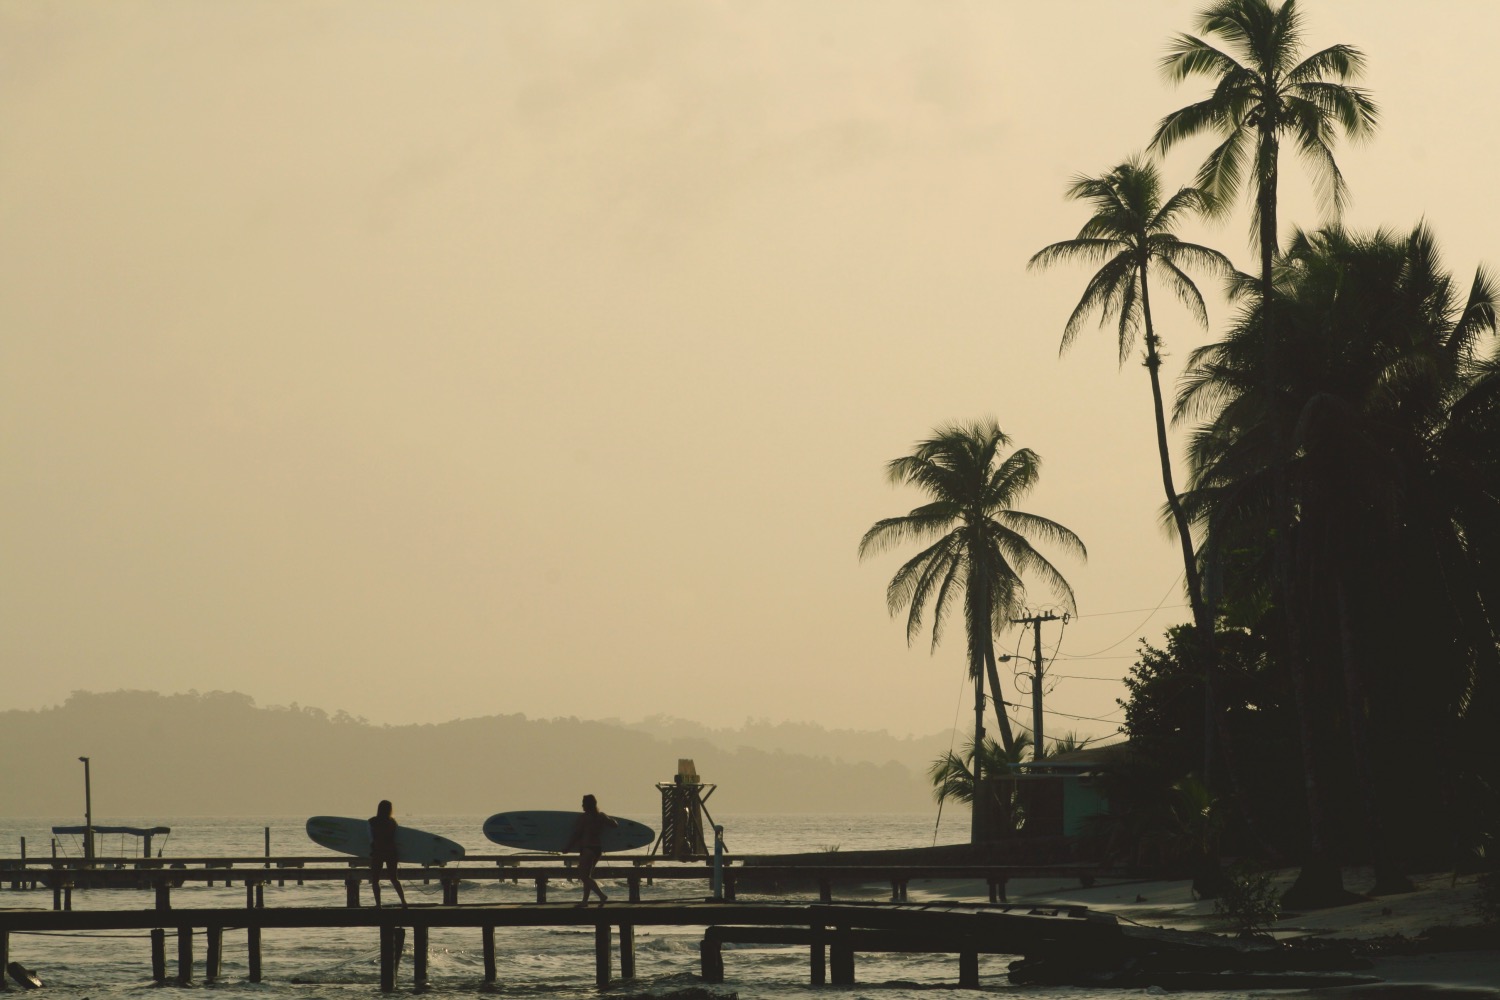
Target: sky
{"points": [[428, 361]]}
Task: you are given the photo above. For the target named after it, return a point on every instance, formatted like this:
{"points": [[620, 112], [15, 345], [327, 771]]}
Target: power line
{"points": [[1143, 621], [1132, 611]]}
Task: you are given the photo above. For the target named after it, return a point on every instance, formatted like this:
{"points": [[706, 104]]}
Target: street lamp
{"points": [[88, 813]]}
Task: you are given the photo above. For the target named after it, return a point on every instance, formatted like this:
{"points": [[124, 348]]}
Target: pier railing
{"points": [[542, 871]]}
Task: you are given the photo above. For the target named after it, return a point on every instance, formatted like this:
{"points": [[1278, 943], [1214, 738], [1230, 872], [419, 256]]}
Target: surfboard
{"points": [[352, 836], [549, 830]]}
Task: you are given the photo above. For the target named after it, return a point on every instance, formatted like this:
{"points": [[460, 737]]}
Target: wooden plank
{"points": [[489, 954]]}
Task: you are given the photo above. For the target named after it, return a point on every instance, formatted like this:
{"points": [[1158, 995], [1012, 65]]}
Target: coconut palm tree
{"points": [[980, 547], [1264, 92], [1396, 494], [953, 778], [1130, 235]]}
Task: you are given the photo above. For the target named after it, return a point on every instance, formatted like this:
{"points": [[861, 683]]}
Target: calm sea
{"points": [[344, 964]]}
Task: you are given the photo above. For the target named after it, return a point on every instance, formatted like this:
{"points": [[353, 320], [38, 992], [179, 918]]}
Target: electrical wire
{"points": [[1159, 605]]}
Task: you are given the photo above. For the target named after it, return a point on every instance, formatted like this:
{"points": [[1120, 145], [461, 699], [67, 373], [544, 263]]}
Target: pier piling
{"points": [[252, 942], [214, 959], [627, 951], [602, 967], [185, 955], [489, 954], [159, 954], [419, 956]]}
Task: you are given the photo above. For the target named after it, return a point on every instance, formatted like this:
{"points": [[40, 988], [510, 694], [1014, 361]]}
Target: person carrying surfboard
{"points": [[383, 849], [587, 840]]}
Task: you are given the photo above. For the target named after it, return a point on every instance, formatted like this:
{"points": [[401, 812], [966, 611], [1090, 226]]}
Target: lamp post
{"points": [[88, 813]]}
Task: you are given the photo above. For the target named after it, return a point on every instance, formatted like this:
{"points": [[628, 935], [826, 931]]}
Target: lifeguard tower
{"points": [[683, 810]]}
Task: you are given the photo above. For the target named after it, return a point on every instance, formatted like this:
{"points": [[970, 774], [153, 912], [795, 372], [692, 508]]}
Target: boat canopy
{"points": [[134, 831]]}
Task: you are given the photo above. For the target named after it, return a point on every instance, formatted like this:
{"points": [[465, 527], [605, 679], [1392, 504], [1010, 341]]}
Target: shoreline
{"points": [[1433, 937]]}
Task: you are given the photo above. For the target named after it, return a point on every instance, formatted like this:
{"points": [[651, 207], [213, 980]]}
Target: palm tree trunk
{"points": [[1320, 882], [979, 828], [1203, 618], [1389, 878], [1007, 739]]}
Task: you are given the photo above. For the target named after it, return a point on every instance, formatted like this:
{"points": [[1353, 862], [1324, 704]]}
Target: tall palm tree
{"points": [[980, 547], [1389, 412], [1130, 235], [1264, 91]]}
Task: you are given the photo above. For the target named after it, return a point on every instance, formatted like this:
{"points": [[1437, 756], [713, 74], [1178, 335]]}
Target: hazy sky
{"points": [[442, 359]]}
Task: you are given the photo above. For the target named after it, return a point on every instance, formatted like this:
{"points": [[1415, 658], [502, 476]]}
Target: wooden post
{"points": [[351, 893], [841, 957], [627, 951], [825, 890], [215, 957], [818, 966], [635, 888], [163, 895], [968, 969], [729, 885], [387, 959], [711, 958], [159, 955], [68, 896], [5, 941], [260, 895], [489, 954], [249, 895], [184, 955], [541, 890], [602, 969], [419, 956], [57, 894], [252, 944]]}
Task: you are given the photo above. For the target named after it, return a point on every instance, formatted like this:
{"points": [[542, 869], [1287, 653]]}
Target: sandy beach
{"points": [[1404, 935]]}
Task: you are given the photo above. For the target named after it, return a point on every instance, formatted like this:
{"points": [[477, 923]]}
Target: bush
{"points": [[1248, 901]]}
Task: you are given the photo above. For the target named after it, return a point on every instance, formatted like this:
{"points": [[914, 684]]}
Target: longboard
{"points": [[352, 836], [549, 830]]}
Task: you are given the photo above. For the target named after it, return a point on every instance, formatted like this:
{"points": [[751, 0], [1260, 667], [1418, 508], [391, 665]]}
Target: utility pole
{"points": [[88, 814], [1035, 621]]}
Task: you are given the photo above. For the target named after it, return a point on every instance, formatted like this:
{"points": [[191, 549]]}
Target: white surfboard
{"points": [[352, 836], [549, 830]]}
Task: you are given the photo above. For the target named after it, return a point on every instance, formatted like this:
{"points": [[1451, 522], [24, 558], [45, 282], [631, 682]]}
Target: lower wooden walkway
{"points": [[831, 931]]}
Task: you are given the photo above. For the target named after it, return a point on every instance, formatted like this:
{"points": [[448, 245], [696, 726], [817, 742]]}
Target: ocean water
{"points": [[532, 963]]}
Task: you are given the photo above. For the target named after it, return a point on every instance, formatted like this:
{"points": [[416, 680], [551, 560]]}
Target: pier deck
{"points": [[836, 930]]}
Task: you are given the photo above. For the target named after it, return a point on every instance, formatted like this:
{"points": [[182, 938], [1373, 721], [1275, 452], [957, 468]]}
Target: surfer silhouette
{"points": [[383, 849], [587, 840]]}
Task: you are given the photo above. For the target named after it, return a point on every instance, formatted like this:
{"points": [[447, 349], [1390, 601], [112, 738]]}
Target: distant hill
{"points": [[848, 745], [219, 754]]}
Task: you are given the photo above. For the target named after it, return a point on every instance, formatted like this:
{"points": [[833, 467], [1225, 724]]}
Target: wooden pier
{"points": [[836, 930], [1055, 944]]}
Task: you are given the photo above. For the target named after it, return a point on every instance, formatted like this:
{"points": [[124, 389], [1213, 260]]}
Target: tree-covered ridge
{"points": [[217, 753]]}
